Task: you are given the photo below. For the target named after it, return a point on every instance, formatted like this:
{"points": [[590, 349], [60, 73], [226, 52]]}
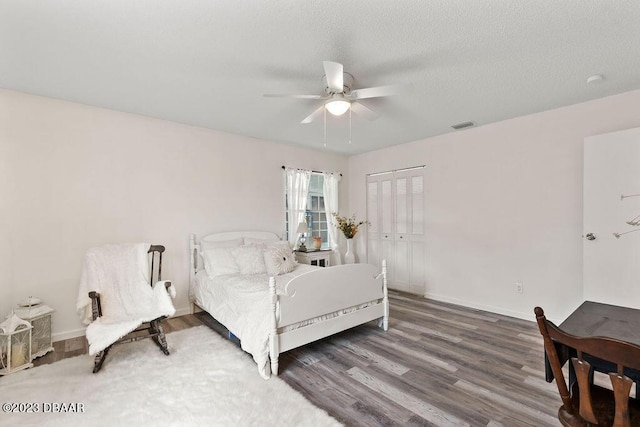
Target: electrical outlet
{"points": [[519, 288]]}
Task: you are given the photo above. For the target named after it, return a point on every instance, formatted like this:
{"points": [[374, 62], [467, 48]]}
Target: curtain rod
{"points": [[397, 170], [284, 167]]}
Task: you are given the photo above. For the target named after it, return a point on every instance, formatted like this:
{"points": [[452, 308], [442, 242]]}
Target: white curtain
{"points": [[330, 189], [297, 192]]}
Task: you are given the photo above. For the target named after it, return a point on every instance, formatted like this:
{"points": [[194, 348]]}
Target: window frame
{"points": [[316, 218]]}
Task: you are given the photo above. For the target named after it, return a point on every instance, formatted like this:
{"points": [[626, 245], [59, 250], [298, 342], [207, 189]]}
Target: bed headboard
{"points": [[194, 245], [230, 235]]}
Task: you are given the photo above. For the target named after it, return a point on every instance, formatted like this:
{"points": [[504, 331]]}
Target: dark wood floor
{"points": [[438, 364]]}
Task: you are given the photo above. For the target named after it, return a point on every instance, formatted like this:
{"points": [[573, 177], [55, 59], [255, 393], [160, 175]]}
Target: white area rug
{"points": [[205, 381]]}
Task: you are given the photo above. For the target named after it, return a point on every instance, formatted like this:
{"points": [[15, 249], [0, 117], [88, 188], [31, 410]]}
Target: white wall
{"points": [[72, 177], [504, 205], [6, 194]]}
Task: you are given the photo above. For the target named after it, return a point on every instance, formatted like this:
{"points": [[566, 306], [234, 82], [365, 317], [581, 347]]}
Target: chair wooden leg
{"points": [[160, 340], [99, 359]]}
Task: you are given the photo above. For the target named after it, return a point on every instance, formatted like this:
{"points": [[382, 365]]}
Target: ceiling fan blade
{"points": [[363, 111], [375, 92], [313, 116], [285, 95], [335, 75]]}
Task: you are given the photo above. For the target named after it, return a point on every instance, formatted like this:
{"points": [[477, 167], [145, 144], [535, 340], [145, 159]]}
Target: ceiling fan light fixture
{"points": [[337, 107]]}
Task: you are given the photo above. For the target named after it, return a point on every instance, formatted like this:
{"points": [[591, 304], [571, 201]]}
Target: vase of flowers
{"points": [[349, 256], [349, 227]]}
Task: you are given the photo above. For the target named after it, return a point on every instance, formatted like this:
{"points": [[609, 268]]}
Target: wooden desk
{"points": [[604, 320], [593, 319]]}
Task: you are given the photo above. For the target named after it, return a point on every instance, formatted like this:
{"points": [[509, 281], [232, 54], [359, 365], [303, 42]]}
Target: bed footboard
{"points": [[325, 291], [274, 350]]}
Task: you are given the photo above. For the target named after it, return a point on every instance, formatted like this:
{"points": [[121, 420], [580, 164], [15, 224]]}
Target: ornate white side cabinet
{"points": [[40, 318]]}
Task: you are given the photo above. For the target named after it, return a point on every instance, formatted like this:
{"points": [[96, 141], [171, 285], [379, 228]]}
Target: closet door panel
{"points": [[372, 207], [402, 221], [402, 213], [374, 252], [377, 216], [386, 204], [386, 219], [418, 276], [373, 232], [417, 205], [401, 277], [389, 254]]}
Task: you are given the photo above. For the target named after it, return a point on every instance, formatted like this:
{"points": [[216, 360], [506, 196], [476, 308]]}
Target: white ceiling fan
{"points": [[339, 95]]}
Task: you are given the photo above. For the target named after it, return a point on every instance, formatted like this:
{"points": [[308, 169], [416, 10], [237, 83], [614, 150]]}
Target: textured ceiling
{"points": [[208, 63]]}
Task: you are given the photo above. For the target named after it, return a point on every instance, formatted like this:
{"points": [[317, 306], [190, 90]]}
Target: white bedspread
{"points": [[241, 303]]}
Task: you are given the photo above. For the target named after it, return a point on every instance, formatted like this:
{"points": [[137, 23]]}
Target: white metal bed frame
{"points": [[313, 294]]}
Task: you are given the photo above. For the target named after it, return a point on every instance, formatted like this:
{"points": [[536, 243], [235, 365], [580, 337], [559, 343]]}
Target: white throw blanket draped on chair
{"points": [[120, 274]]}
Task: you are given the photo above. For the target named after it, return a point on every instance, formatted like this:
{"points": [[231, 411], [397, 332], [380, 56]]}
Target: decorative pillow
{"points": [[220, 261], [279, 259], [249, 260], [205, 246]]}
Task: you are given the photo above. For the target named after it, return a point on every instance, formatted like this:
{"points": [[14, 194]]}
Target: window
{"points": [[315, 215], [315, 209]]}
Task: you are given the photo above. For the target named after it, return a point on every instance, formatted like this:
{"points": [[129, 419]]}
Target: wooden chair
{"points": [[584, 403], [152, 329]]}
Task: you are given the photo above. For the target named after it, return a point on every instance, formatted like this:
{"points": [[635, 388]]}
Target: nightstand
{"points": [[320, 257]]}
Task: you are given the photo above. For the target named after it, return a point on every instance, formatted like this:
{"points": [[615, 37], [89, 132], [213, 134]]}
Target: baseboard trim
{"points": [[182, 311], [75, 333], [489, 308], [67, 335]]}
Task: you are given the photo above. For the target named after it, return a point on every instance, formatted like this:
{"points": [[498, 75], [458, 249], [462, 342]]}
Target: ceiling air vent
{"points": [[463, 125]]}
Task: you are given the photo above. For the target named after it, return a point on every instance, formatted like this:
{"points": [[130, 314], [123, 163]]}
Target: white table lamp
{"points": [[302, 230]]}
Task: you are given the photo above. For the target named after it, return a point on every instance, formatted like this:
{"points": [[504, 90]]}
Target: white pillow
{"points": [[249, 260], [279, 259], [220, 261], [235, 243], [205, 245]]}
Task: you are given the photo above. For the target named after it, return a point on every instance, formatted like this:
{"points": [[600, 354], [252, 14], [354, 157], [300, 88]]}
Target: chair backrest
{"points": [[621, 354], [155, 250]]}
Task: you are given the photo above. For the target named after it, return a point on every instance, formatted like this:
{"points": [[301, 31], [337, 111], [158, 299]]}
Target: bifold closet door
{"points": [[395, 208], [380, 215], [409, 238]]}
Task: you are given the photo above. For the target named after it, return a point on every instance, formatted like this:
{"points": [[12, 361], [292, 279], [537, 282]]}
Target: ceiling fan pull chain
{"points": [[349, 125], [325, 127]]}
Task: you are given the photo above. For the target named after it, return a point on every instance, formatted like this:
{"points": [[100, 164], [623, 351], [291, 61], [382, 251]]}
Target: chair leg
{"points": [[99, 359], [160, 340]]}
